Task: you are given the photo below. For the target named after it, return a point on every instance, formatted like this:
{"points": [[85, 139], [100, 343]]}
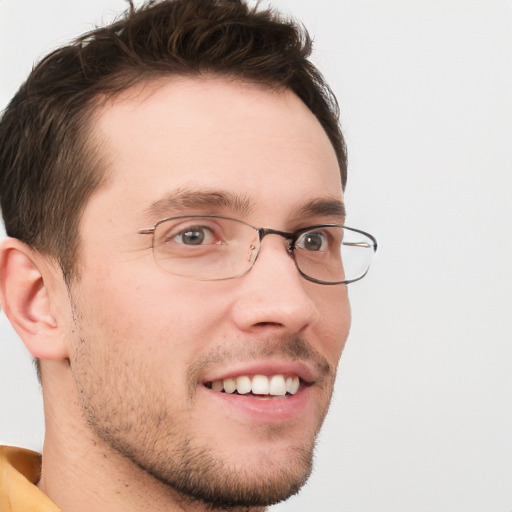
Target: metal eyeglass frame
{"points": [[291, 237]]}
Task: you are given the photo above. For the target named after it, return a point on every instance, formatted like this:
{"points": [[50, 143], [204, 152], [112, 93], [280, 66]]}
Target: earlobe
{"points": [[26, 300]]}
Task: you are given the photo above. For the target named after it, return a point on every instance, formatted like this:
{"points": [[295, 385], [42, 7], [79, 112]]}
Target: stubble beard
{"points": [[197, 476], [146, 434]]}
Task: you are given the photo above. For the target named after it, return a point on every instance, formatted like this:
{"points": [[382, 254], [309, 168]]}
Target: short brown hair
{"points": [[49, 169]]}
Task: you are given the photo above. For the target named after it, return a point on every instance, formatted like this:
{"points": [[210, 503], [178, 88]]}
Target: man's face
{"points": [[149, 346]]}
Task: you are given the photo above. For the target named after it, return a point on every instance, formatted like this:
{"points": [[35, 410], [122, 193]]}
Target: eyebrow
{"points": [[206, 199], [324, 207], [183, 199]]}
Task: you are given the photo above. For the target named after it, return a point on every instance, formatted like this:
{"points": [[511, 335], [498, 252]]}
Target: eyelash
{"points": [[179, 230]]}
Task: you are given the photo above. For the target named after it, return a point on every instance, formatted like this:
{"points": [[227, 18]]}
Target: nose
{"points": [[273, 296]]}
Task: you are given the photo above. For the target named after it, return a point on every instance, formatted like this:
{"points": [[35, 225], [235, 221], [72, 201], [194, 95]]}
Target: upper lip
{"points": [[302, 369]]}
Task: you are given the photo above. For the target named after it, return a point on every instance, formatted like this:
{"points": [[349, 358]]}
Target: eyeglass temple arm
{"points": [[148, 231], [358, 244]]}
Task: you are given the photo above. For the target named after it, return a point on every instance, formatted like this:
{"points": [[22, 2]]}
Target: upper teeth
{"points": [[276, 385]]}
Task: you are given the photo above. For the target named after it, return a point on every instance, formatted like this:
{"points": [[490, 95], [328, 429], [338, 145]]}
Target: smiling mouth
{"points": [[257, 386]]}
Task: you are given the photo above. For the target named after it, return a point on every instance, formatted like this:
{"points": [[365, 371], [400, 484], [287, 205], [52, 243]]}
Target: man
{"points": [[187, 355]]}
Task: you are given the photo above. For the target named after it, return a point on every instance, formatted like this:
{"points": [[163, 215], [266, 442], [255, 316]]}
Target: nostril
{"points": [[268, 324]]}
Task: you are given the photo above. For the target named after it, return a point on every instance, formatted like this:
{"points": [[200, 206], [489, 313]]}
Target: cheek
{"points": [[335, 320], [162, 318]]}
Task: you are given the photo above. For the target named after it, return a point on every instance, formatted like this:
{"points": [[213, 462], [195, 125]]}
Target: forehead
{"points": [[213, 133]]}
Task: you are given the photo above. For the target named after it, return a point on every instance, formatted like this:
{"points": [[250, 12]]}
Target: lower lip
{"points": [[272, 410]]}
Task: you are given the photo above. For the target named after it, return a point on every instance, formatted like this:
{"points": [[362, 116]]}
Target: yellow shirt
{"points": [[20, 470]]}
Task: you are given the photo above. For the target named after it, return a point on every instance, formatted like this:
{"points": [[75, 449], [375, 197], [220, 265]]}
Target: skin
{"points": [[129, 346]]}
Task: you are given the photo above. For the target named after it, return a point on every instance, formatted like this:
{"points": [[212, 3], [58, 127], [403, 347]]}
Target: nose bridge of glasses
{"points": [[263, 232]]}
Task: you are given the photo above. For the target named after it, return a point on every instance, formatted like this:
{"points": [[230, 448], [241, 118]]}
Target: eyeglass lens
{"points": [[215, 248]]}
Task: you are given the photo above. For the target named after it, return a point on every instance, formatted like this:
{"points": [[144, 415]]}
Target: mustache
{"points": [[294, 348]]}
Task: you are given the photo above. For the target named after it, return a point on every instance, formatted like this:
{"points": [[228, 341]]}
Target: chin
{"points": [[245, 478], [258, 481]]}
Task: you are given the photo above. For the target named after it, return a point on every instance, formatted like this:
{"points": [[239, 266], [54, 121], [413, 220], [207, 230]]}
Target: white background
{"points": [[422, 415]]}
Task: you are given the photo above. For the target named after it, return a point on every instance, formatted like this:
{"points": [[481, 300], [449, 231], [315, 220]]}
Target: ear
{"points": [[26, 299]]}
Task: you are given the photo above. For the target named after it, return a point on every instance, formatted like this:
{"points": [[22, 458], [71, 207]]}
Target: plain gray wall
{"points": [[422, 415]]}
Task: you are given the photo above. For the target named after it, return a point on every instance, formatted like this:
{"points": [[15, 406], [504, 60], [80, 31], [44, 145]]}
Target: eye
{"points": [[312, 241], [194, 235]]}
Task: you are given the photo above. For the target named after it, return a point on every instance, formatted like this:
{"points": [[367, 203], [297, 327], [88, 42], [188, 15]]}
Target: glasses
{"points": [[212, 247]]}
